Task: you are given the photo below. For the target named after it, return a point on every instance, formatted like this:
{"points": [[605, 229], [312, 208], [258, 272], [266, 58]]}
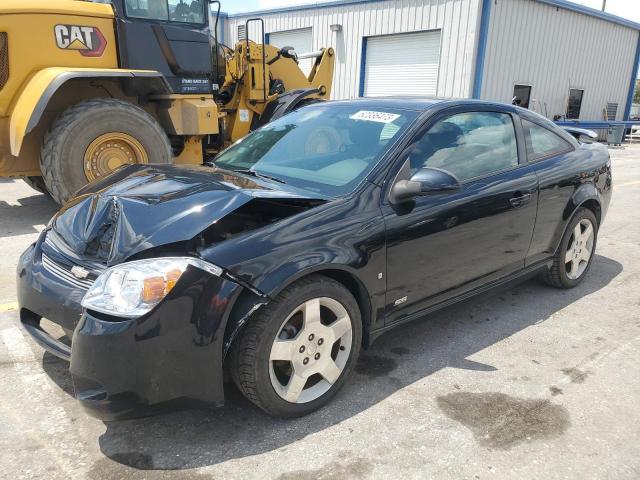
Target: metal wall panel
{"points": [[553, 50], [457, 19], [301, 40]]}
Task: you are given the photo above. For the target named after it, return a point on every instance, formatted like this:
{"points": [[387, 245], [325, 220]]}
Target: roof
{"points": [[564, 4], [64, 7], [419, 104], [403, 103]]}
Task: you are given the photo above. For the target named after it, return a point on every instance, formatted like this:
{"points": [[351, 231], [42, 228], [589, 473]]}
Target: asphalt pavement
{"points": [[530, 382]]}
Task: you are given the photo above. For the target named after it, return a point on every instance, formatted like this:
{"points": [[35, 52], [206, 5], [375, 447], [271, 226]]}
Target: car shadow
{"points": [[23, 215], [200, 437]]}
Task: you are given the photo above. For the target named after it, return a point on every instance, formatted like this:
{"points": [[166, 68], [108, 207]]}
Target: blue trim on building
{"points": [[267, 37], [632, 85], [594, 124], [298, 8], [564, 4], [482, 48], [592, 12], [363, 63]]}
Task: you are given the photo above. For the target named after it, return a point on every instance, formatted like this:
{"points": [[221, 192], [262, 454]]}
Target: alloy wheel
{"points": [[579, 249], [311, 350]]}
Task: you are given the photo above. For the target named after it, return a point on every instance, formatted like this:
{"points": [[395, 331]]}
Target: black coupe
{"points": [[302, 243]]}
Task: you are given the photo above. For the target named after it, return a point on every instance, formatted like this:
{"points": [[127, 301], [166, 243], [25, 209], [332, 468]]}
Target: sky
{"points": [[624, 8]]}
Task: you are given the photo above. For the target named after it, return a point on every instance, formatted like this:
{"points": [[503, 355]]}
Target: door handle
{"points": [[520, 199]]}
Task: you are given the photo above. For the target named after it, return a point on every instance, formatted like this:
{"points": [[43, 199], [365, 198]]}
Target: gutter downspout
{"points": [[482, 48], [632, 85]]}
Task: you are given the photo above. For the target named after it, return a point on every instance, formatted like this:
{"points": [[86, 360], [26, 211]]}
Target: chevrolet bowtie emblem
{"points": [[79, 272]]}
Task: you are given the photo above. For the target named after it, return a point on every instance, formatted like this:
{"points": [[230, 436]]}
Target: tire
{"points": [[74, 133], [263, 380], [37, 183], [561, 273]]}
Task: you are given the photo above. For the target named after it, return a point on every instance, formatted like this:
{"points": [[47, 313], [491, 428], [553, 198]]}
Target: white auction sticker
{"points": [[244, 115], [382, 117]]}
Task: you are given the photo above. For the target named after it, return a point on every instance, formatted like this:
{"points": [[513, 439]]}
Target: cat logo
{"points": [[89, 41]]}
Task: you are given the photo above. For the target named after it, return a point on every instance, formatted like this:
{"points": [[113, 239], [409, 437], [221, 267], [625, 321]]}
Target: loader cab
{"points": [[174, 37]]}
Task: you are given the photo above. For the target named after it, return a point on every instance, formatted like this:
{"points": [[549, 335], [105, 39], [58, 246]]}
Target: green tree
{"points": [[636, 95]]}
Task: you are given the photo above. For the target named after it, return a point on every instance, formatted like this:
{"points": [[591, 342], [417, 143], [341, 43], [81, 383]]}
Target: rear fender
{"points": [[34, 97], [583, 194]]}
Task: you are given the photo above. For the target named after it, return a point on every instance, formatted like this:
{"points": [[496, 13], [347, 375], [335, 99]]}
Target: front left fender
{"points": [[39, 89]]}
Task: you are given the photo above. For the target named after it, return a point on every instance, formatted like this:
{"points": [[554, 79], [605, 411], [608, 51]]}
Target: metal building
{"points": [[555, 57]]}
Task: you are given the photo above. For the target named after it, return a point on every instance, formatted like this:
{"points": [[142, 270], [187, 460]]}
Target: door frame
{"points": [[399, 160]]}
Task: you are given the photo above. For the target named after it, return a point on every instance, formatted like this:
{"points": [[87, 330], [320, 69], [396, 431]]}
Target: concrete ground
{"points": [[527, 383]]}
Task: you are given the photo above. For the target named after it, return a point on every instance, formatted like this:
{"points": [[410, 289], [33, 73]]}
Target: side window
{"points": [[542, 142], [183, 11], [151, 9], [469, 145], [186, 11]]}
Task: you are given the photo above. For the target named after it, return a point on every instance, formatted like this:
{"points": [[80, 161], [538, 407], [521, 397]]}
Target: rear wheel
{"points": [[297, 352], [93, 138], [575, 255]]}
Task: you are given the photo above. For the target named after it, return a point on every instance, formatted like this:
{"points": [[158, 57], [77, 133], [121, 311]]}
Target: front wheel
{"points": [[297, 352], [575, 255], [93, 138]]}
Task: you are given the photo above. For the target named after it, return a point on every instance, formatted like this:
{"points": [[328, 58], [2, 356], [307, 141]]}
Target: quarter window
{"points": [[469, 145], [542, 142], [574, 104]]}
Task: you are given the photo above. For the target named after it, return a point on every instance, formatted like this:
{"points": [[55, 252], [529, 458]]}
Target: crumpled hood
{"points": [[145, 206]]}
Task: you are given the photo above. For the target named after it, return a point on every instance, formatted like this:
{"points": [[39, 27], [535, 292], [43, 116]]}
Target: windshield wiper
{"points": [[253, 173]]}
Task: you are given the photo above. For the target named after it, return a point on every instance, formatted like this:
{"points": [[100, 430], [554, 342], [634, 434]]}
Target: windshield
{"points": [[183, 11], [326, 148]]}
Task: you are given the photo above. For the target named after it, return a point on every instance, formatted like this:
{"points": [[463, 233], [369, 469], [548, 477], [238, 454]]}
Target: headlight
{"points": [[132, 289]]}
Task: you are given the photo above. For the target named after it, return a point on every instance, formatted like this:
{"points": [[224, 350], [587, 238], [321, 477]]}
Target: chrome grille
{"points": [[4, 59], [63, 272]]}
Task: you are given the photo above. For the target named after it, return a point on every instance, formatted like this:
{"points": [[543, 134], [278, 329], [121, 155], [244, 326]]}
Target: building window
{"points": [[521, 95], [574, 104]]}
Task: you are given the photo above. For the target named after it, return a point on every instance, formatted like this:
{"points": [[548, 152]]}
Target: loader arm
{"points": [[250, 97]]}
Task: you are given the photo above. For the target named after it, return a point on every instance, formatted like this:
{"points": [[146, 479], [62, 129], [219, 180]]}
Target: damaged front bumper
{"points": [[123, 368]]}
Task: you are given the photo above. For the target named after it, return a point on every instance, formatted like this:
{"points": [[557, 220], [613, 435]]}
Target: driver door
{"points": [[444, 245]]}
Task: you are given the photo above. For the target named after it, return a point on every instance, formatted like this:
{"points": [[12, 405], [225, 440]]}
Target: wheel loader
{"points": [[88, 86]]}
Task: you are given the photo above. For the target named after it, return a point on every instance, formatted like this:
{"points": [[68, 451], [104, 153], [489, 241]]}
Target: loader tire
{"points": [[95, 137]]}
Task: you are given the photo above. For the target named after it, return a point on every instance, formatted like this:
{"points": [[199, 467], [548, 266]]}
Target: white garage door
{"points": [[301, 40], [405, 64]]}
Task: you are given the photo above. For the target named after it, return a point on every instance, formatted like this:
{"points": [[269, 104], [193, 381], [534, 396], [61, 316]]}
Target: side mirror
{"points": [[426, 181]]}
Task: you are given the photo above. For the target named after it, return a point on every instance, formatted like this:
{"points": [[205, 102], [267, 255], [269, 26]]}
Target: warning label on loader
{"points": [[89, 41]]}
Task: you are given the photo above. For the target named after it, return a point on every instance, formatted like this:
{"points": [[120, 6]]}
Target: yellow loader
{"points": [[86, 87]]}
